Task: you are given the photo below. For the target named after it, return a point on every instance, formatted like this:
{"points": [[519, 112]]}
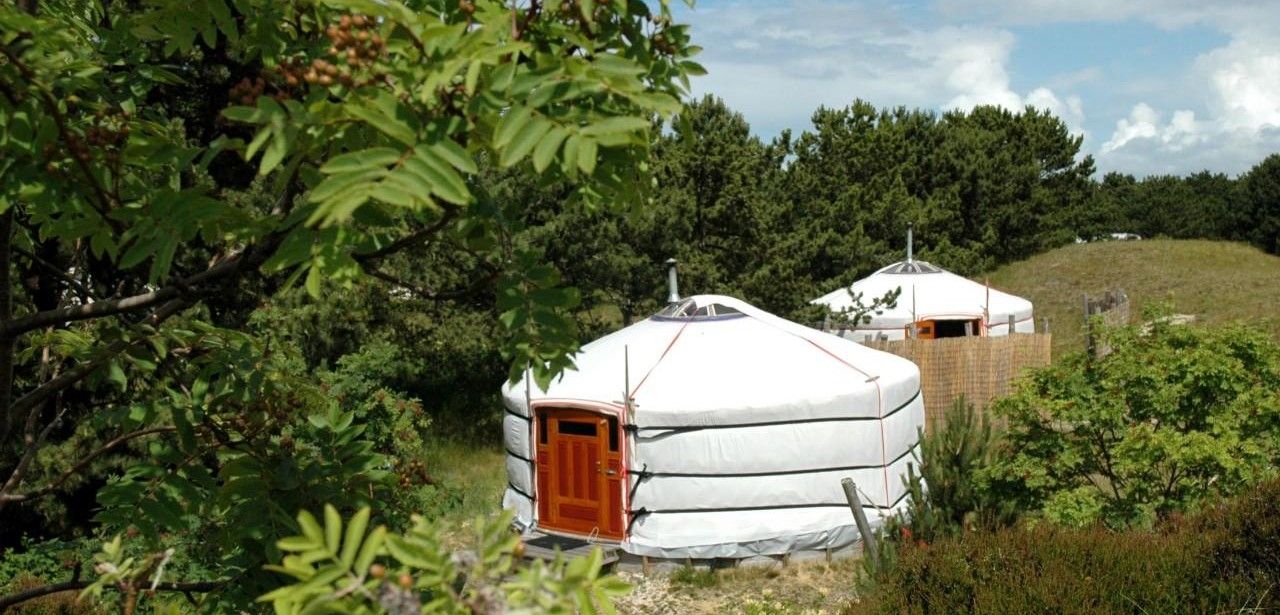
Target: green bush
{"points": [[1172, 419], [950, 493], [1225, 558]]}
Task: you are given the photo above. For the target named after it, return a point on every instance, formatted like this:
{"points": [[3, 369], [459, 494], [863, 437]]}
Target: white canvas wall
{"points": [[743, 428]]}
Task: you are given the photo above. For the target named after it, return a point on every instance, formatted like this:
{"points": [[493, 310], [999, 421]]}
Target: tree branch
{"points": [[235, 264], [80, 465], [535, 8], [84, 311], [410, 239], [33, 442], [31, 401], [85, 293], [6, 312], [45, 590], [430, 294], [78, 372]]}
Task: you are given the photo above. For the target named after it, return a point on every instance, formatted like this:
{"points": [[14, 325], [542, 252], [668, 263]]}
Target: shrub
{"points": [[1175, 417], [949, 494], [1227, 557]]}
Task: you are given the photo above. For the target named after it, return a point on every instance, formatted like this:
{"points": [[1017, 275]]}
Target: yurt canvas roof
{"points": [[929, 293], [750, 366]]}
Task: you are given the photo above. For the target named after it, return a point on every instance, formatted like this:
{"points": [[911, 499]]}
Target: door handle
{"points": [[610, 472]]}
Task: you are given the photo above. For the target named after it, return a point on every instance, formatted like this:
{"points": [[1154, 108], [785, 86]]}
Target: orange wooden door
{"points": [[579, 472], [924, 330]]}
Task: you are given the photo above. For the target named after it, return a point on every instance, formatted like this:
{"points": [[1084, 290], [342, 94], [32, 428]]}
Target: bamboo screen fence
{"points": [[980, 368]]}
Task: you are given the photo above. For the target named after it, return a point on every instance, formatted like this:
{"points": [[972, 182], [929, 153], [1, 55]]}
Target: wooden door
{"points": [[579, 461], [924, 330]]}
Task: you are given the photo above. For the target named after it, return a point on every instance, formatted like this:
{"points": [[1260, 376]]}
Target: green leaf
{"points": [[296, 543], [388, 125], [332, 528], [547, 148], [136, 253], [294, 249], [569, 160], [362, 160], [370, 549], [275, 153], [337, 184], [443, 180], [693, 69], [115, 374], [587, 151], [393, 192], [314, 279], [355, 533], [451, 152], [248, 115], [524, 141], [473, 76], [616, 125], [409, 553], [510, 125]]}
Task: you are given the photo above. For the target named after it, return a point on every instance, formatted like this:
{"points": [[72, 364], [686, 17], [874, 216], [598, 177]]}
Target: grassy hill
{"points": [[1216, 281]]}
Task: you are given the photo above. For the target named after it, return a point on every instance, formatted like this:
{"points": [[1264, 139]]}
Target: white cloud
{"points": [[1242, 96], [776, 63], [1245, 76], [1181, 132], [973, 65]]}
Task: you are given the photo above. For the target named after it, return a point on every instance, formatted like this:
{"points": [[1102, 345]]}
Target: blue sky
{"points": [[1154, 86]]}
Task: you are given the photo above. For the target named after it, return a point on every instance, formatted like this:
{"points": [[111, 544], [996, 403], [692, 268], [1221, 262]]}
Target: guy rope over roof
{"points": [[737, 428]]}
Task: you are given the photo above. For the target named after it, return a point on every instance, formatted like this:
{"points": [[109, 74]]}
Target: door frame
{"points": [[624, 445], [979, 323]]}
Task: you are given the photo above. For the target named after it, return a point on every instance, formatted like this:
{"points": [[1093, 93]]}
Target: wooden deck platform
{"points": [[545, 546]]}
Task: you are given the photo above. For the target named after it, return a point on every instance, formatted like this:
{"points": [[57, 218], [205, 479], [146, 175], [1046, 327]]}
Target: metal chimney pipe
{"points": [[910, 247], [673, 287]]}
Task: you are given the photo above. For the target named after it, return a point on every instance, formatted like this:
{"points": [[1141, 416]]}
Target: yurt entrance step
{"points": [[545, 546]]}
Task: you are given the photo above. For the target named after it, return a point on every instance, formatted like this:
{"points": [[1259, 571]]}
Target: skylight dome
{"points": [[697, 308], [910, 267]]}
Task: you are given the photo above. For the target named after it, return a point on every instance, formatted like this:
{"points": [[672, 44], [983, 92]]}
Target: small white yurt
{"points": [[939, 303], [739, 429]]}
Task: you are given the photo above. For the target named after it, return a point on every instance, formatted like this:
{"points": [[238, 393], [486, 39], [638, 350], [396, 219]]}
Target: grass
{"points": [[801, 588], [470, 479], [1216, 281]]}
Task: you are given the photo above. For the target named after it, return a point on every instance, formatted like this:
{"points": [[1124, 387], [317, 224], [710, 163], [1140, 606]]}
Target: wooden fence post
{"points": [[860, 517], [1088, 335]]}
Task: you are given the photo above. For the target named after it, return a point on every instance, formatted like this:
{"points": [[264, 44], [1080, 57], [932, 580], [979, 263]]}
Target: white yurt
{"points": [[939, 303], [739, 429]]}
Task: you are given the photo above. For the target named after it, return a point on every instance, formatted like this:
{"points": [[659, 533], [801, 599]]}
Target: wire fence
{"points": [[980, 368]]}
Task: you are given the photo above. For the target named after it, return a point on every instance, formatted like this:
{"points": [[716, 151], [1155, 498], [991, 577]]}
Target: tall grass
{"points": [[1217, 281]]}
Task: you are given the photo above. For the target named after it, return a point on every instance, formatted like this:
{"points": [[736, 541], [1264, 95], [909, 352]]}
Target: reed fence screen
{"points": [[980, 368]]}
